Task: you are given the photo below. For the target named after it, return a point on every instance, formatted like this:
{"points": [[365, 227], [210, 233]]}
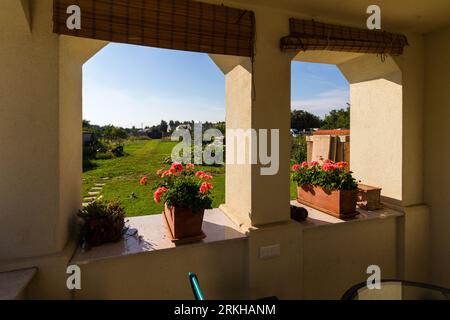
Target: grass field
{"points": [[143, 158]]}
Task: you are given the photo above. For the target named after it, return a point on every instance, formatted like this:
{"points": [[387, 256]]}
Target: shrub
{"points": [[329, 176], [299, 151], [118, 151]]}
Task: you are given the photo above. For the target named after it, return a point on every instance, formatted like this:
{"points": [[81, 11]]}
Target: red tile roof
{"points": [[332, 133]]}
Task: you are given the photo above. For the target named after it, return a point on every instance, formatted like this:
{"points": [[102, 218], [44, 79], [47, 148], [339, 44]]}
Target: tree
{"points": [[337, 119], [172, 125], [119, 133], [221, 126], [163, 126], [302, 120]]}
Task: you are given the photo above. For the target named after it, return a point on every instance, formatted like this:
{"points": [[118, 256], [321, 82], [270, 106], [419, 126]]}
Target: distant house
{"points": [[329, 144]]}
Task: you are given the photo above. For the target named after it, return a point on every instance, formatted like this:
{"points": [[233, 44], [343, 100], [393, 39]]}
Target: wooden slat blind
{"points": [[172, 24], [313, 35]]}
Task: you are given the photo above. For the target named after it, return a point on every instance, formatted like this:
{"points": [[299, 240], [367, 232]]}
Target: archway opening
{"points": [[134, 99], [373, 146]]}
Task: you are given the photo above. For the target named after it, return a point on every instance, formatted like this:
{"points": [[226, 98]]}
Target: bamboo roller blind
{"points": [[172, 24], [313, 35]]}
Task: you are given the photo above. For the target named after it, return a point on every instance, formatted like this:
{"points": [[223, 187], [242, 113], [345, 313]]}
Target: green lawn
{"points": [[143, 158]]}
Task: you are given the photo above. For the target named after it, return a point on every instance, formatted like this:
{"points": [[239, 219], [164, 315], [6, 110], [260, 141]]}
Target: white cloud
{"points": [[324, 103]]}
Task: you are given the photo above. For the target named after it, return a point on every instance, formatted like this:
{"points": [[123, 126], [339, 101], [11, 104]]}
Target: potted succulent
{"points": [[329, 187], [102, 222], [186, 193]]}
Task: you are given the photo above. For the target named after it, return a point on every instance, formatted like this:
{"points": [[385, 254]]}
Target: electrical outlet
{"points": [[270, 252]]}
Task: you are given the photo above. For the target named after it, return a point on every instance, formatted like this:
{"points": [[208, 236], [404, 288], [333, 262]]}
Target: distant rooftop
{"points": [[337, 132]]}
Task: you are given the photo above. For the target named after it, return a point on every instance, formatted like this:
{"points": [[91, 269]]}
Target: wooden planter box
{"points": [[184, 225], [340, 204], [369, 198]]}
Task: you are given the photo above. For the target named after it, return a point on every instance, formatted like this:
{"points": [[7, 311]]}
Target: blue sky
{"points": [[132, 86]]}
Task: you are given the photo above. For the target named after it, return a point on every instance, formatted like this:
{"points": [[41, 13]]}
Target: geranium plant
{"points": [[184, 187], [329, 176], [102, 222]]}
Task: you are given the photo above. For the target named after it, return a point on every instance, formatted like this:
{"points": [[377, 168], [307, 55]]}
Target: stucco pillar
{"points": [[387, 145], [376, 113], [258, 98], [437, 150]]}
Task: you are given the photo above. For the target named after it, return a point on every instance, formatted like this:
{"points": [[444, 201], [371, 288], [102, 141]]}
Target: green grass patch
{"points": [[142, 158]]}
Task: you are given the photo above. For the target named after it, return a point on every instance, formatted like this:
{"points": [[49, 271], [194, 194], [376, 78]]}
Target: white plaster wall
{"points": [[29, 127], [336, 257], [376, 122], [376, 143], [437, 150], [221, 268]]}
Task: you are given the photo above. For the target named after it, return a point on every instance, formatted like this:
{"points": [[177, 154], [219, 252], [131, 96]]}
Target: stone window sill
{"points": [[152, 236], [317, 218]]}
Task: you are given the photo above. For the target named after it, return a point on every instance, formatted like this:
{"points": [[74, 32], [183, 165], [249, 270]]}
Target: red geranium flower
{"points": [[342, 165], [158, 194], [166, 174], [143, 181], [295, 167], [305, 164], [205, 187], [328, 166], [176, 168], [203, 175], [199, 174]]}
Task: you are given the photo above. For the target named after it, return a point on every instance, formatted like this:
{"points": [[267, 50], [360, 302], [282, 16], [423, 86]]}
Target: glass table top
{"points": [[398, 290]]}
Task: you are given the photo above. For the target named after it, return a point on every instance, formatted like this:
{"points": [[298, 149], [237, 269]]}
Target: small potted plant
{"points": [[330, 187], [102, 222], [186, 193]]}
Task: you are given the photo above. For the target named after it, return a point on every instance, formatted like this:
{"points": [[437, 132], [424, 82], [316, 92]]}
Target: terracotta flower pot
{"points": [[184, 225], [339, 203]]}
